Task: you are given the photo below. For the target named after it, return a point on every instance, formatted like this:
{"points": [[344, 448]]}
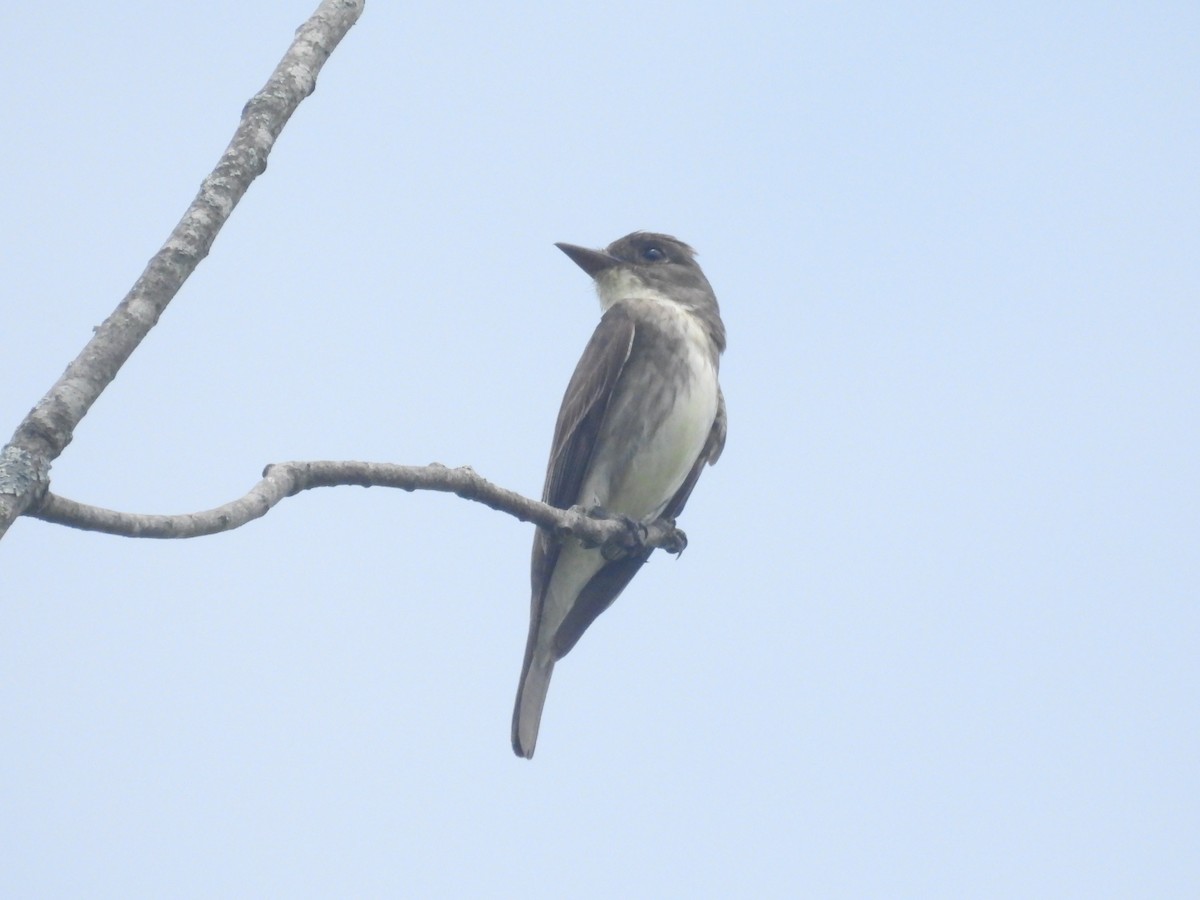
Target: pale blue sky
{"points": [[936, 632]]}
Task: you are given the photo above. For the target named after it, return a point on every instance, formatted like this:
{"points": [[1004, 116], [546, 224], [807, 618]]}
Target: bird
{"points": [[642, 416]]}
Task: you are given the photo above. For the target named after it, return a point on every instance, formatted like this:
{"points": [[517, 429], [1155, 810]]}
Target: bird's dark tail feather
{"points": [[531, 697]]}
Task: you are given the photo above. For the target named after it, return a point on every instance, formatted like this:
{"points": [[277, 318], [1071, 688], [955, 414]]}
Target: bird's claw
{"points": [[676, 542], [627, 544]]}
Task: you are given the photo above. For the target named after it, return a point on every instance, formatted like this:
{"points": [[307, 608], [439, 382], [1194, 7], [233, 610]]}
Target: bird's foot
{"points": [[636, 536], [674, 539], [632, 541]]}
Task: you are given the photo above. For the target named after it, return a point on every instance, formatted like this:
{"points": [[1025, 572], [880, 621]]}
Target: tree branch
{"points": [[282, 480], [46, 431]]}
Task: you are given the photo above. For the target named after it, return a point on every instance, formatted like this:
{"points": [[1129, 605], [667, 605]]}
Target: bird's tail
{"points": [[531, 697]]}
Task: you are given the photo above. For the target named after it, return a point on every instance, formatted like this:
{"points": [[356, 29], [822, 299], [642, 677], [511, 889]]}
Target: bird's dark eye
{"points": [[653, 253]]}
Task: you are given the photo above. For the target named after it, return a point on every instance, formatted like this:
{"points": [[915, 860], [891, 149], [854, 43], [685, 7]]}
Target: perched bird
{"points": [[642, 415]]}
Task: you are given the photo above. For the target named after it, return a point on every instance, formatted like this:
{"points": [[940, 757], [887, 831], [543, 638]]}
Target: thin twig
{"points": [[286, 479]]}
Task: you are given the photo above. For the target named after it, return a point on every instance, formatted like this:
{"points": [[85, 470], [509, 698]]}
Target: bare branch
{"points": [[286, 479], [49, 427]]}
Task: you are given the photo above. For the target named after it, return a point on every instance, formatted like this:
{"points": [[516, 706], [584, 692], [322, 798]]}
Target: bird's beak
{"points": [[591, 261]]}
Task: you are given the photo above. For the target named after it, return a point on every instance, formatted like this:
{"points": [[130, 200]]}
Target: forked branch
{"points": [[46, 431]]}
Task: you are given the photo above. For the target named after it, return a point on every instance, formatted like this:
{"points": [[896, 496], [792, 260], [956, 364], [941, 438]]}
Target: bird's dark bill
{"points": [[591, 261]]}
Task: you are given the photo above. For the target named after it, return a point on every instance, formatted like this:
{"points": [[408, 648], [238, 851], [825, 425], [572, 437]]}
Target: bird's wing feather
{"points": [[584, 405], [575, 433]]}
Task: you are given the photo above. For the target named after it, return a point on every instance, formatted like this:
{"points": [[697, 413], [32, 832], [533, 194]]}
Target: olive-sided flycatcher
{"points": [[642, 416]]}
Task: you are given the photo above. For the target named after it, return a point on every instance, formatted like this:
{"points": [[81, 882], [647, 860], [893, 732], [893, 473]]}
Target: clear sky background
{"points": [[936, 632]]}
